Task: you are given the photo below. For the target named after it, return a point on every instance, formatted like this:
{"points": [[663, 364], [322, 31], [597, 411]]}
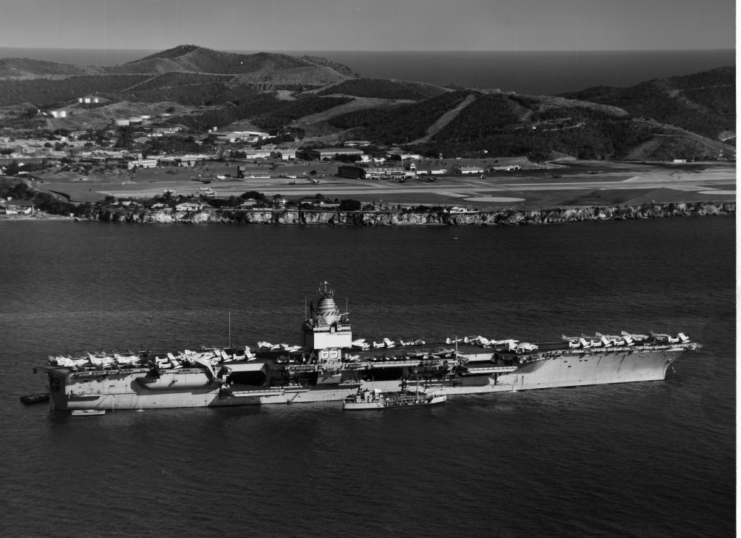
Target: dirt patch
{"points": [[445, 119], [359, 103]]}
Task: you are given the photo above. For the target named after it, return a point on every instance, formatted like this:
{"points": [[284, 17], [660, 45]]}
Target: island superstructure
{"points": [[329, 365]]}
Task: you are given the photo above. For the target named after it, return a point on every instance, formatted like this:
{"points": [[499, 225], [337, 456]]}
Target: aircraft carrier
{"points": [[329, 365]]}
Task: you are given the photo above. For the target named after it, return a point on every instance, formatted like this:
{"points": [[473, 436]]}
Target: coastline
{"points": [[502, 217]]}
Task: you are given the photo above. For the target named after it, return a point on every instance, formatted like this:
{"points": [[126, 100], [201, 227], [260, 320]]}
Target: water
{"points": [[529, 72], [648, 459]]}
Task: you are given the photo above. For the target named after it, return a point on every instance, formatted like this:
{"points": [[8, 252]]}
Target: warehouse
{"points": [[377, 172], [329, 153]]}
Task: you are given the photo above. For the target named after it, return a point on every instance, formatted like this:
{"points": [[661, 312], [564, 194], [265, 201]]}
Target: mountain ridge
{"points": [[184, 58], [683, 116]]}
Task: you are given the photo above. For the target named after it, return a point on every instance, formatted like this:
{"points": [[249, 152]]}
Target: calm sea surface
{"points": [[526, 72], [644, 460]]}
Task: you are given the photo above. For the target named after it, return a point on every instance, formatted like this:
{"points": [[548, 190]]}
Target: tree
{"points": [[350, 205], [12, 169]]}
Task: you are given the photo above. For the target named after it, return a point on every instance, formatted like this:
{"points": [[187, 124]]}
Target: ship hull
{"points": [[126, 389]]}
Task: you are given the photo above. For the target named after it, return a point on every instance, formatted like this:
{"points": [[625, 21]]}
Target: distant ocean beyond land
{"points": [[525, 72]]}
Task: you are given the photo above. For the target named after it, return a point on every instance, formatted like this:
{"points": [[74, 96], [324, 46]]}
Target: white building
{"points": [[167, 130], [287, 154], [257, 154], [143, 163], [471, 170], [188, 206]]}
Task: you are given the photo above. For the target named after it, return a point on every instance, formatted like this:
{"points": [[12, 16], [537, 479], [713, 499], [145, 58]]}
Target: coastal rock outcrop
{"points": [[500, 217]]}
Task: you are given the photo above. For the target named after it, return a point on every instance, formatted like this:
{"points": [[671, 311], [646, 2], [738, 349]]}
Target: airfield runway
{"points": [[572, 185]]}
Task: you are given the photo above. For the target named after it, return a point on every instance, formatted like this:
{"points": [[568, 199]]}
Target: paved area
{"points": [[535, 187]]}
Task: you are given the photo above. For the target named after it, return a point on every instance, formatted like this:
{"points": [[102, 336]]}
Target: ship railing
{"points": [[644, 347]]}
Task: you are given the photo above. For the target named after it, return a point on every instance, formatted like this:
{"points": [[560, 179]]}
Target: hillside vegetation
{"points": [[385, 89], [678, 117], [21, 67], [399, 123], [47, 92], [704, 103], [175, 79], [263, 110], [509, 125]]}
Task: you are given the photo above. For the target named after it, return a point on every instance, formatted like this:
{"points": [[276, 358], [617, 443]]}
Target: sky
{"points": [[373, 25]]}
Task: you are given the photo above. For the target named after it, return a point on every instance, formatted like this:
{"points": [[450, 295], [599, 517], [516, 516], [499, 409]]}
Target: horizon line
{"points": [[376, 50]]}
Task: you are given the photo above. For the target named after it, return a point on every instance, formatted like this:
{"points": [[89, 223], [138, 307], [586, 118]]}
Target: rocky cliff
{"points": [[503, 217]]}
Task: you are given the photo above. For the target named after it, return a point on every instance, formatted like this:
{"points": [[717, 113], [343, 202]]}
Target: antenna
{"points": [[230, 330]]}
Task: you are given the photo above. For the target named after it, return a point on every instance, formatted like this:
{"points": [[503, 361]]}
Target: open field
{"points": [[578, 183]]}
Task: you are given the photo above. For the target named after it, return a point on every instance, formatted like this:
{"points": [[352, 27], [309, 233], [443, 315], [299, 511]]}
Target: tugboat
{"points": [[375, 399]]}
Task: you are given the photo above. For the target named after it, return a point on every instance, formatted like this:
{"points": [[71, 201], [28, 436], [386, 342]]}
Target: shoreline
{"points": [[503, 217], [300, 217]]}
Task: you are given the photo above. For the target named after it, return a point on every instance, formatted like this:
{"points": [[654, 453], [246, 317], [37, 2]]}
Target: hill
{"points": [[510, 124], [399, 124], [197, 60], [678, 117], [202, 60], [704, 103], [385, 89], [467, 123], [24, 67]]}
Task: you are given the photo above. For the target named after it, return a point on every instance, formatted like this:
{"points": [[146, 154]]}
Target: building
{"points": [[287, 154], [88, 99], [17, 207], [143, 163], [240, 136], [471, 170], [256, 154], [256, 134], [188, 206], [59, 113], [352, 172], [167, 130], [375, 172], [358, 143], [404, 156], [329, 153]]}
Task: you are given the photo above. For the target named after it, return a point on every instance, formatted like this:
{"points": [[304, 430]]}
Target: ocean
{"points": [[528, 72], [647, 460]]}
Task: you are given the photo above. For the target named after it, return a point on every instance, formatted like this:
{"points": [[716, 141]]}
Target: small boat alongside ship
{"points": [[375, 399], [328, 364], [35, 398]]}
